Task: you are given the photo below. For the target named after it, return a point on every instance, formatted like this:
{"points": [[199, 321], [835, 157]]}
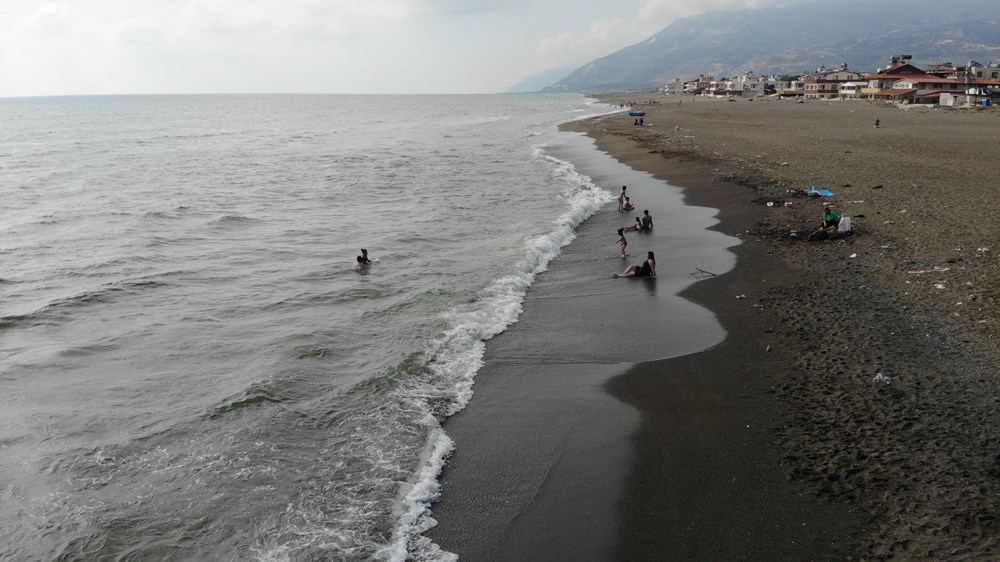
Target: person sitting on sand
{"points": [[647, 220], [830, 227], [628, 206], [645, 269], [633, 227], [830, 217]]}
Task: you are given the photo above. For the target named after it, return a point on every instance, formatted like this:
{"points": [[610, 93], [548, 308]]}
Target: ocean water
{"points": [[190, 367]]}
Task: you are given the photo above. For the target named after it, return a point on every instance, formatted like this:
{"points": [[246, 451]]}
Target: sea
{"points": [[190, 366]]}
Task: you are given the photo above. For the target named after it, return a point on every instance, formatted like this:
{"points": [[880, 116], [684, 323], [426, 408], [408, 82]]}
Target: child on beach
{"points": [[633, 227], [622, 241], [628, 206], [621, 199]]}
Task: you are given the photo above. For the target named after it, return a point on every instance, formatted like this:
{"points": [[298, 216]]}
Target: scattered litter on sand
{"points": [[881, 379]]}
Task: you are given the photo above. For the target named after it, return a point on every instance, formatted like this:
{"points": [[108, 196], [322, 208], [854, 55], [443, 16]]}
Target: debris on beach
{"points": [[882, 379]]}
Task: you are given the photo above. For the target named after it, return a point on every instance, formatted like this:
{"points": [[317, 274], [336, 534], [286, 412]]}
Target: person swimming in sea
{"points": [[645, 269], [362, 261]]}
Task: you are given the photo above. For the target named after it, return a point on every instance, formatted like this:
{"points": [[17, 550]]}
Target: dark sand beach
{"points": [[851, 411]]}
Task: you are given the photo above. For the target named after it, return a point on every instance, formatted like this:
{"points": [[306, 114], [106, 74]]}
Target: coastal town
{"points": [[945, 84]]}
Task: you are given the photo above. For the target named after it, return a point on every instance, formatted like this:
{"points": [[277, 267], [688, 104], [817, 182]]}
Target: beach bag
{"points": [[845, 225]]}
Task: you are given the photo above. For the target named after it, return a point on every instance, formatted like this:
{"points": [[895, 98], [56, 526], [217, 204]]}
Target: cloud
{"points": [[463, 7], [605, 37]]}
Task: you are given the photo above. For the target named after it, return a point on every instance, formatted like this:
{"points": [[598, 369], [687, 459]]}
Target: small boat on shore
{"points": [[636, 113]]}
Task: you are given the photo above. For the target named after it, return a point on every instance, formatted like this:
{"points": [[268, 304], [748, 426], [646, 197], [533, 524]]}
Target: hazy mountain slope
{"points": [[862, 34]]}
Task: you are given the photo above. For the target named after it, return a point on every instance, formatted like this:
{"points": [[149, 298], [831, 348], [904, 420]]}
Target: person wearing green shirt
{"points": [[830, 218]]}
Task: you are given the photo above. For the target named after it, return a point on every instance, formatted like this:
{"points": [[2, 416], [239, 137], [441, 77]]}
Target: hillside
{"points": [[796, 39]]}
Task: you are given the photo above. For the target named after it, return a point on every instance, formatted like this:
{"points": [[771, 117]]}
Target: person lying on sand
{"points": [[645, 269], [633, 227]]}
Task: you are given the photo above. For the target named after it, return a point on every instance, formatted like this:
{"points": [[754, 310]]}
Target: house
{"points": [[984, 72], [881, 83], [850, 90], [928, 89], [789, 86], [674, 88], [970, 97], [698, 85], [825, 84], [749, 84]]}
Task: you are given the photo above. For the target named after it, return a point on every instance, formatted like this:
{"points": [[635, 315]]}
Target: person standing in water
{"points": [[622, 241], [621, 199]]}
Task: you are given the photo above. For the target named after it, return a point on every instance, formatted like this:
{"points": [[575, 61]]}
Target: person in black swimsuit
{"points": [[645, 269]]}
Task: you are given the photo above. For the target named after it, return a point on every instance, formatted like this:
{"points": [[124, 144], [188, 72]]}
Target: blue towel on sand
{"points": [[823, 192]]}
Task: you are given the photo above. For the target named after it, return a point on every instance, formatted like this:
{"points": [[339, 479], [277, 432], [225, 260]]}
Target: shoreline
{"points": [[905, 469], [852, 410]]}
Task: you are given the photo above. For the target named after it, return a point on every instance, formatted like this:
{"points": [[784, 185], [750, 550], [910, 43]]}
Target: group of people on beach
{"points": [[830, 227], [645, 222]]}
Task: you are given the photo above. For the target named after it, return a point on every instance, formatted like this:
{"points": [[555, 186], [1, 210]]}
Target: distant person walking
{"points": [[877, 123]]}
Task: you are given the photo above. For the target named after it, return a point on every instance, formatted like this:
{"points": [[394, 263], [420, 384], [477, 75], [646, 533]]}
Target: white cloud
{"points": [[605, 37], [347, 46]]}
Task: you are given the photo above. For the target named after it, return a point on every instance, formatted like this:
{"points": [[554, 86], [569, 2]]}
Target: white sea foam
{"points": [[319, 382], [458, 356]]}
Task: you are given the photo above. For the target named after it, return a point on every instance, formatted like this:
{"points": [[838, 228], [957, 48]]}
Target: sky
{"points": [[81, 47]]}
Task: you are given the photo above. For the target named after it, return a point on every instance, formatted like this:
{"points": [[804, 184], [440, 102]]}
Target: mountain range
{"points": [[797, 39]]}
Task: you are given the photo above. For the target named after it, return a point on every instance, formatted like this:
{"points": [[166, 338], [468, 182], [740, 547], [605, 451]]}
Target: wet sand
{"points": [[782, 442], [914, 454]]}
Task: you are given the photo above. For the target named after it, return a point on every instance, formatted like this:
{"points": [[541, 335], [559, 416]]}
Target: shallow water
{"points": [[192, 369]]}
